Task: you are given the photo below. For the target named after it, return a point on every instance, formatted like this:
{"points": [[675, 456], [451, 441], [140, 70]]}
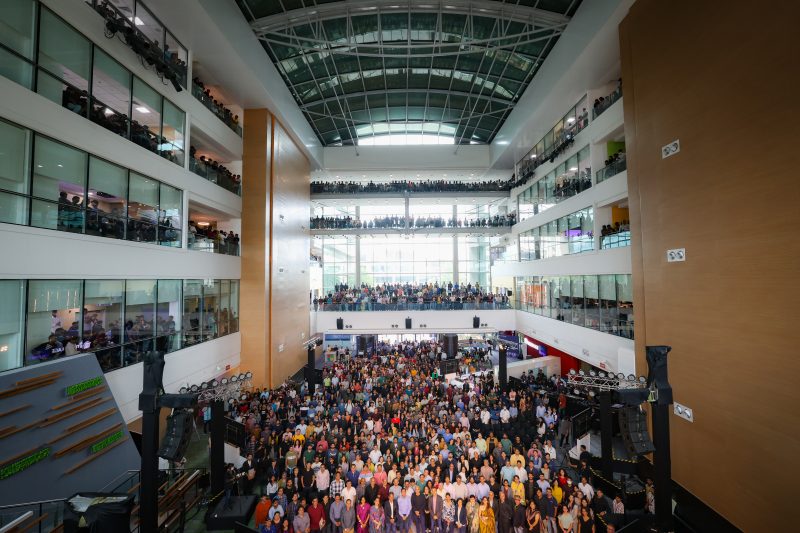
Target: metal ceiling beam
{"points": [[334, 10], [404, 90]]}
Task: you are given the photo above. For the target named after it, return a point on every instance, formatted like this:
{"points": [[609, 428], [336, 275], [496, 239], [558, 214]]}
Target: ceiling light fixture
{"points": [[142, 109]]}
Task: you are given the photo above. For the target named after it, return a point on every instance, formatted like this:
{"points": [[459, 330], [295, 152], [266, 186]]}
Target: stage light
{"points": [[203, 386], [581, 373], [241, 377], [249, 375], [224, 381], [592, 373], [194, 388], [234, 379], [591, 394], [577, 392], [620, 376], [601, 374], [631, 377], [571, 371], [214, 383], [183, 390], [642, 379]]}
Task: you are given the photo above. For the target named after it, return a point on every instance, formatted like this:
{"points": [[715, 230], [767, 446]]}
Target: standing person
{"points": [[448, 514], [585, 522], [419, 507], [533, 518], [349, 519], [316, 514], [362, 514], [486, 517], [461, 517], [518, 520], [377, 520], [301, 522], [435, 504], [337, 508], [473, 518], [504, 514], [404, 511], [390, 514], [566, 523], [550, 508]]}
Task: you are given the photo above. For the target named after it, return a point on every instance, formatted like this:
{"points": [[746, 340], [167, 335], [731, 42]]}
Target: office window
{"points": [[146, 115], [625, 305], [149, 25], [102, 322], [171, 205], [223, 323], [59, 183], [192, 311], [555, 298], [11, 323], [17, 27], [142, 208], [140, 312], [65, 58], [173, 132], [211, 299], [169, 312], [111, 93], [53, 315], [234, 310], [578, 316], [591, 302], [608, 302], [107, 199], [15, 145]]}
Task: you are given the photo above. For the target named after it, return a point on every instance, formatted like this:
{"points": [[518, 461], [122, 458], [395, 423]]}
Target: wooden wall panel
{"points": [[256, 198], [718, 78], [290, 282]]}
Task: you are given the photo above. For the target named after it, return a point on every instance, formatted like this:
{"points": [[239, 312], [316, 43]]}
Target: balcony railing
{"points": [[215, 176], [607, 102], [409, 306], [611, 170], [202, 244], [616, 240], [220, 111], [613, 322]]}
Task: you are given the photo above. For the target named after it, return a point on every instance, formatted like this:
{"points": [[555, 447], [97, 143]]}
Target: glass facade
{"points": [[117, 320], [48, 184], [570, 234], [70, 70], [600, 302], [569, 178]]}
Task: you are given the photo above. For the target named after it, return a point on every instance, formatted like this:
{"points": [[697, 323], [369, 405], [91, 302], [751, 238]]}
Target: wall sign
{"points": [[26, 462], [84, 385], [106, 442]]}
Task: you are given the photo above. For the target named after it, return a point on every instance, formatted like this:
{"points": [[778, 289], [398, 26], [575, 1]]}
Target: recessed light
{"points": [[142, 109], [60, 165], [570, 120], [573, 169]]}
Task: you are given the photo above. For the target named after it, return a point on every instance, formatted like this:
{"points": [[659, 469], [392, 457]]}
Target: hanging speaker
{"points": [[339, 323], [408, 323], [633, 427], [176, 439], [476, 322]]}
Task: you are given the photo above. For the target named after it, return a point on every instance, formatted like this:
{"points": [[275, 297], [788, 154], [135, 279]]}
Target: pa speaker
{"points": [[476, 322], [339, 323], [509, 293], [633, 427], [176, 439], [408, 323]]}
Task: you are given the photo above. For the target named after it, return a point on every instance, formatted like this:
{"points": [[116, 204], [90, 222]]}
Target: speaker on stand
{"points": [[339, 323], [408, 323], [476, 322], [633, 427]]}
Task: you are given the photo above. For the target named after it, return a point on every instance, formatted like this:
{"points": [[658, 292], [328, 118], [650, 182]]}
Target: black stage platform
{"points": [[241, 510]]}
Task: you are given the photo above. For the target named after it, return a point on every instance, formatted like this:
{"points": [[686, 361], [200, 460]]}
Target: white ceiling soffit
{"points": [[217, 33], [586, 54]]}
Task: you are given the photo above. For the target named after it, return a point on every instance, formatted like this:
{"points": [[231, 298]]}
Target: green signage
{"points": [[18, 466], [106, 442], [84, 385]]}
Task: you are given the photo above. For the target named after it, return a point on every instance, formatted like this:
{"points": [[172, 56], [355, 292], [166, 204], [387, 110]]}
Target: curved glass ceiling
{"points": [[364, 68]]}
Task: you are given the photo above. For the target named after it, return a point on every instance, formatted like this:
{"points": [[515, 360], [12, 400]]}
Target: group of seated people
{"points": [[203, 94], [215, 172], [386, 444], [617, 227], [224, 242], [347, 187], [603, 103], [399, 222], [408, 296]]}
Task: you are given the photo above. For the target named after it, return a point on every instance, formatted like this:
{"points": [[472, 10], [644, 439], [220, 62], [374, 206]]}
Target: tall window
{"points": [[65, 59], [146, 114], [169, 309], [59, 184], [142, 208], [170, 220], [172, 146], [17, 37], [53, 316], [111, 93], [14, 171], [107, 202], [102, 322], [12, 322], [192, 311]]}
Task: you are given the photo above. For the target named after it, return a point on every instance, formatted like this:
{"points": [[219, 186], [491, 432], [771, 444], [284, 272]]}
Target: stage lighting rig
{"points": [[605, 382], [222, 389]]}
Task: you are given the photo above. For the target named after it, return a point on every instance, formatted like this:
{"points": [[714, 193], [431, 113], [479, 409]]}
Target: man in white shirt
{"points": [[586, 488], [459, 490], [349, 492]]}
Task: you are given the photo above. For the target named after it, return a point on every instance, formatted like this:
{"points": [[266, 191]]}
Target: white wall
{"points": [[436, 321], [599, 349], [550, 365], [42, 253], [610, 261], [191, 365]]}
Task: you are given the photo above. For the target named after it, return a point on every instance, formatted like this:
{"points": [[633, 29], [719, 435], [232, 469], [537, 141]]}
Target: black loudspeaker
{"points": [[361, 344], [339, 323], [451, 345], [509, 293], [408, 323], [633, 427], [476, 322], [176, 439]]}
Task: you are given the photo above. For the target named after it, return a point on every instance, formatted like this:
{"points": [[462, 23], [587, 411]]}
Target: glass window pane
{"points": [[14, 170], [146, 114], [171, 204], [111, 94], [234, 315], [102, 321], [15, 68], [211, 296], [17, 24], [53, 316], [173, 132], [11, 323], [192, 311], [169, 313], [143, 198], [108, 189], [148, 25], [59, 179], [64, 52], [140, 302], [224, 307], [591, 302]]}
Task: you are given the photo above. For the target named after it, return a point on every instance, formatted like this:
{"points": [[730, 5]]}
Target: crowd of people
{"points": [[400, 222], [222, 242], [215, 172], [202, 93], [604, 102], [615, 228], [385, 445], [409, 296], [401, 186]]}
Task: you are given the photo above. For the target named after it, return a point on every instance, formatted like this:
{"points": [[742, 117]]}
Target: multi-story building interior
{"points": [[226, 181]]}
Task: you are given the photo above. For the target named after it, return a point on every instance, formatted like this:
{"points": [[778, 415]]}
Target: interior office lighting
{"points": [[142, 109]]}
